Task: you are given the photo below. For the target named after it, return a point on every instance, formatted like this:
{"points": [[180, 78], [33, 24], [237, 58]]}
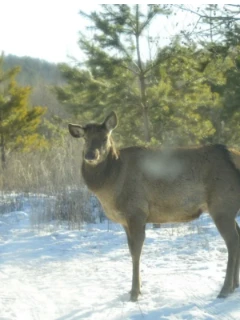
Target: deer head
{"points": [[97, 138]]}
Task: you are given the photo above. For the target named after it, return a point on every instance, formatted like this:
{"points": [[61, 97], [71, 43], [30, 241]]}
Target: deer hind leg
{"points": [[225, 222], [135, 235], [236, 275]]}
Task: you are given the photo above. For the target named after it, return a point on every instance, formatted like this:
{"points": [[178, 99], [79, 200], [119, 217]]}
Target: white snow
{"points": [[55, 273]]}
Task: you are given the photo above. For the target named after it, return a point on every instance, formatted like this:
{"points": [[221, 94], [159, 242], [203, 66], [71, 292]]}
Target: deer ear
{"points": [[76, 130], [111, 121]]}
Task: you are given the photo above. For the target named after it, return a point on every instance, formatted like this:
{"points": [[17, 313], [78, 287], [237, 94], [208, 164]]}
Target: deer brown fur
{"points": [[137, 185]]}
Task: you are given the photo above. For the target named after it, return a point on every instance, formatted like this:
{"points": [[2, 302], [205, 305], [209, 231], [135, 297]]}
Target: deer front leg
{"points": [[135, 235], [227, 228]]}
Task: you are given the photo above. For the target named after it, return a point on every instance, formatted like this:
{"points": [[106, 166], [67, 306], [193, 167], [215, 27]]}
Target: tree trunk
{"points": [[3, 153], [141, 77], [145, 115]]}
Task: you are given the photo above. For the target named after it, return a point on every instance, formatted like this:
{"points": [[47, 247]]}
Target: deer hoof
{"points": [[224, 293], [134, 295]]}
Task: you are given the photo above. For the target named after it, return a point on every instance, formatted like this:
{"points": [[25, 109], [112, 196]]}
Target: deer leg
{"points": [[135, 235], [227, 227], [236, 275]]}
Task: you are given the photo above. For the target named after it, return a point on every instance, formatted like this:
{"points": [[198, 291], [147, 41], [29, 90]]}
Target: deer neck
{"points": [[97, 176]]}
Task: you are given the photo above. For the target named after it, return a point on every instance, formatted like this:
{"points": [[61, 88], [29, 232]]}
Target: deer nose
{"points": [[91, 155]]}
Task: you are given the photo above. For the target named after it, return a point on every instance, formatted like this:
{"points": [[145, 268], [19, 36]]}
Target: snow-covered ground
{"points": [[55, 273]]}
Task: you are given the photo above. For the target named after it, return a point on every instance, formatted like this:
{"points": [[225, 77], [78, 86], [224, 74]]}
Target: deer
{"points": [[139, 185]]}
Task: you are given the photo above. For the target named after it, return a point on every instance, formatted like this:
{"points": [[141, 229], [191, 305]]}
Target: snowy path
{"points": [[70, 275]]}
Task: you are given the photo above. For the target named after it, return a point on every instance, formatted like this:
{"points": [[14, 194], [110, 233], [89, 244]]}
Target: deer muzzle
{"points": [[92, 155]]}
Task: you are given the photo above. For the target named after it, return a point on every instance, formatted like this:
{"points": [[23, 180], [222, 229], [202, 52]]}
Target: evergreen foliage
{"points": [[117, 74], [181, 100], [19, 122], [187, 94]]}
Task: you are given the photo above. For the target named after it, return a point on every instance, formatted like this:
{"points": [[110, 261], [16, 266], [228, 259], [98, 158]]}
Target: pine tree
{"points": [[114, 59], [19, 122], [181, 100]]}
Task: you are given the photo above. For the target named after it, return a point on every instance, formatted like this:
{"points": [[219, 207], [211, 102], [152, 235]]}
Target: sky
{"points": [[45, 29], [49, 29]]}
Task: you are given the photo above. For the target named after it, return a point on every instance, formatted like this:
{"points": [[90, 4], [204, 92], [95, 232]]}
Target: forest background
{"points": [[184, 93]]}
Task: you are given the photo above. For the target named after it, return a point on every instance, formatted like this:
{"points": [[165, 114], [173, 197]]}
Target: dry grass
{"points": [[56, 175], [43, 172]]}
